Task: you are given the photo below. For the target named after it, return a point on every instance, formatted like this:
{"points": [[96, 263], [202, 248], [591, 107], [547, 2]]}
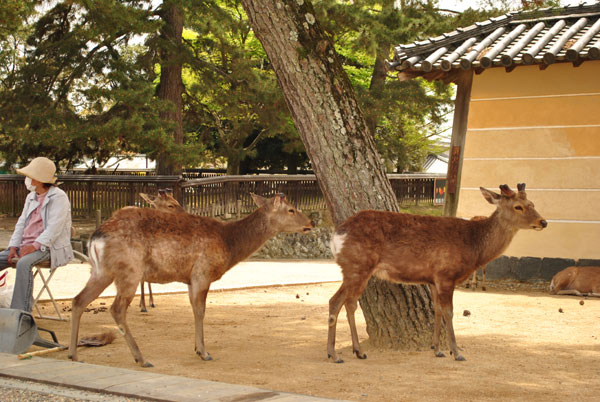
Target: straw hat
{"points": [[40, 169]]}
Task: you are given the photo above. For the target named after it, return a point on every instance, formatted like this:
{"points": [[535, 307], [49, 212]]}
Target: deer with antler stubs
{"points": [[163, 247], [438, 251], [164, 201]]}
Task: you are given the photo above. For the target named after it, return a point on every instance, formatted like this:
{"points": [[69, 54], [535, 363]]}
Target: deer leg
{"points": [[335, 305], [474, 280], [437, 322], [125, 294], [150, 296], [572, 292], [198, 292], [143, 308], [351, 306], [94, 286], [483, 278], [445, 298]]}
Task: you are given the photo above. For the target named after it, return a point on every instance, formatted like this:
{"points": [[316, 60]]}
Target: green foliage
{"points": [[79, 81]]}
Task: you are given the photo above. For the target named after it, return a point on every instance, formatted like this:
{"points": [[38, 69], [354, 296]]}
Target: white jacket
{"points": [[56, 218]]}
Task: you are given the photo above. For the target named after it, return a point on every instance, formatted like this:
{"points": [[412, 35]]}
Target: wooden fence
{"points": [[210, 196]]}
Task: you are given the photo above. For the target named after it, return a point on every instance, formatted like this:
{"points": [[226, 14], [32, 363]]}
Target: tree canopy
{"points": [[82, 80]]}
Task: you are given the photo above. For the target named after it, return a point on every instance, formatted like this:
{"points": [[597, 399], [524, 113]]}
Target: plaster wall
{"points": [[542, 128]]}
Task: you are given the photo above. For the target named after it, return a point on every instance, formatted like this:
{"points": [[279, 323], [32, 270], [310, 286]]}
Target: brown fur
{"points": [[163, 201], [474, 277], [163, 247], [578, 281], [438, 251]]}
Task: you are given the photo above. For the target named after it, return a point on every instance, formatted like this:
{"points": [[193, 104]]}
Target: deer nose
{"points": [[543, 223]]}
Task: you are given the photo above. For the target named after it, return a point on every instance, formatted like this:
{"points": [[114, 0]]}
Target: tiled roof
{"points": [[542, 37]]}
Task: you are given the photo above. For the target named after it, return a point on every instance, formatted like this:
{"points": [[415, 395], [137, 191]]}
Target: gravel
{"points": [[12, 390]]}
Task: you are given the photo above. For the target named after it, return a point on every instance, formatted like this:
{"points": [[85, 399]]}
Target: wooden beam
{"points": [[457, 143]]}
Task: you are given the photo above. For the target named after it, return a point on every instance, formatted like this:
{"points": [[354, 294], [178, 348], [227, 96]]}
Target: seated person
{"points": [[43, 231]]}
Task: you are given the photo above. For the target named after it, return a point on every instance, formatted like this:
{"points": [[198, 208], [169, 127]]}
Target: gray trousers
{"points": [[23, 291]]}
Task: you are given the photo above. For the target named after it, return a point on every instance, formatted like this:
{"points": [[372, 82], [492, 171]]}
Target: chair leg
{"points": [[45, 287]]}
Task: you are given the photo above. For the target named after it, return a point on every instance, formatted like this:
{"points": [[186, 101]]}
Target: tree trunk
{"points": [[342, 151], [171, 84]]}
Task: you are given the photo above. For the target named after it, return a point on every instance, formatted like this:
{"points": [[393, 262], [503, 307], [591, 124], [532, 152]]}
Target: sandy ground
{"points": [[518, 345], [521, 344]]}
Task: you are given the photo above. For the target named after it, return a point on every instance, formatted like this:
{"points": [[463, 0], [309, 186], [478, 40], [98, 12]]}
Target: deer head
{"points": [[164, 201], [282, 215], [515, 208]]}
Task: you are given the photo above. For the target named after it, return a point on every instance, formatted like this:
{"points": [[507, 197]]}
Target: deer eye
{"points": [[291, 211], [519, 208]]}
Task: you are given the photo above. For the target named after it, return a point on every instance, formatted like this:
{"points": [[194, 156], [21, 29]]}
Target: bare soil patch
{"points": [[518, 346]]}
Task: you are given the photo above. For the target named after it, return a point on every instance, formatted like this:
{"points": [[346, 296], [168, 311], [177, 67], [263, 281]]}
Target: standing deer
{"points": [[577, 281], [163, 247], [164, 201], [438, 251]]}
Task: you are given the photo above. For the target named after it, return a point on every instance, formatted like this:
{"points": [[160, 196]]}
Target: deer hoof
{"points": [[335, 359], [207, 357], [360, 355], [459, 358], [147, 364], [440, 354], [144, 310]]}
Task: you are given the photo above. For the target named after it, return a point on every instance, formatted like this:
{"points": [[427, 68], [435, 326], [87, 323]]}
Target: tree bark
{"points": [[342, 151], [171, 83]]}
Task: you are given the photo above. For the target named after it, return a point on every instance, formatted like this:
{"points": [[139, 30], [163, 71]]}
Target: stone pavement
{"points": [[136, 384]]}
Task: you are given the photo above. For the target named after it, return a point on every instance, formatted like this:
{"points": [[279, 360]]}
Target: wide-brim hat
{"points": [[41, 169]]}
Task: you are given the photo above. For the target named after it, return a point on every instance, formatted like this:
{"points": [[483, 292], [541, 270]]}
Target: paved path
{"points": [[68, 280]]}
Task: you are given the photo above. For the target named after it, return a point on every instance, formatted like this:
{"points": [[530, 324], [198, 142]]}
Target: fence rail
{"points": [[210, 196]]}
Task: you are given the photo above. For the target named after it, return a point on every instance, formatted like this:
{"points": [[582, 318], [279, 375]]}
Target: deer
{"points": [[165, 202], [576, 281], [162, 247], [415, 249]]}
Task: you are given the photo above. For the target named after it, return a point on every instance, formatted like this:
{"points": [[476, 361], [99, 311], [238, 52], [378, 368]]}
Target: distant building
{"points": [[120, 164], [527, 110]]}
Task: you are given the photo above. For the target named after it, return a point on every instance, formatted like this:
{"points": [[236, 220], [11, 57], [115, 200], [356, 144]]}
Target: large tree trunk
{"points": [[342, 151], [171, 84]]}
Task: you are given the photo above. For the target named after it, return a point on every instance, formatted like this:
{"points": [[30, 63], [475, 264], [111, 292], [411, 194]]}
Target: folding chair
{"points": [[38, 270]]}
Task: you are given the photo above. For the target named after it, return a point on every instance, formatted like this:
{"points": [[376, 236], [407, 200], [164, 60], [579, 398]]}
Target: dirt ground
{"points": [[521, 344]]}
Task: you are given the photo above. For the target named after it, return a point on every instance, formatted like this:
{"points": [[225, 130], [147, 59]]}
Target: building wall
{"points": [[542, 128]]}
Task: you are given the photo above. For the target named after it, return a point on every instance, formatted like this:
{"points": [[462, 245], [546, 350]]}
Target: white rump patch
{"points": [[96, 249], [336, 243]]}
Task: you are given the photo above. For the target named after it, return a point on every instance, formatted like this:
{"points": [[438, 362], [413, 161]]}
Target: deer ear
{"points": [[490, 196], [258, 200], [147, 198], [277, 200]]}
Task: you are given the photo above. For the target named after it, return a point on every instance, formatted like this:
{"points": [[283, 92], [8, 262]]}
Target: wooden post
{"points": [[98, 218], [238, 208], [457, 143]]}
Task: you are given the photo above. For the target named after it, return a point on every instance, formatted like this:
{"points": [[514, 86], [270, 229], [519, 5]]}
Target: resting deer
{"points": [[577, 281], [163, 247], [164, 201], [438, 251]]}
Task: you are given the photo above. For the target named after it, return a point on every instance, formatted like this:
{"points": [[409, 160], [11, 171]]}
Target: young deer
{"points": [[577, 281], [163, 247], [439, 251], [164, 201]]}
